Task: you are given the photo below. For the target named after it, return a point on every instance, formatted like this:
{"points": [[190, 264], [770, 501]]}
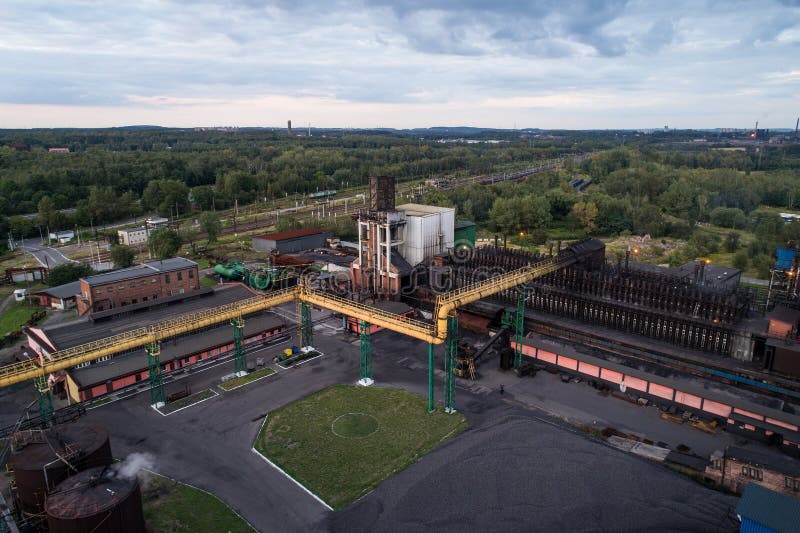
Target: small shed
{"points": [[295, 240], [765, 511], [60, 297]]}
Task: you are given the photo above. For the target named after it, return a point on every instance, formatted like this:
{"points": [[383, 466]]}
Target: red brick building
{"points": [[737, 467], [140, 283]]}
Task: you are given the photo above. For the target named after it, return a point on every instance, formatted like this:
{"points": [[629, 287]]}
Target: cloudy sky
{"points": [[491, 63]]}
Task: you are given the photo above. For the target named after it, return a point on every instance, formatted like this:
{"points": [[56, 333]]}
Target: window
{"points": [[138, 377], [134, 300], [121, 288], [180, 276], [191, 274], [753, 473], [83, 365], [166, 278], [153, 280], [110, 289], [744, 470]]}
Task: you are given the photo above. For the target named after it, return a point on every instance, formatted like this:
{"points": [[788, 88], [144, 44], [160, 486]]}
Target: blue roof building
{"points": [[765, 511]]}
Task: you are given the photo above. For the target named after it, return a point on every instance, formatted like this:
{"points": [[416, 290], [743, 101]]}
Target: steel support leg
{"points": [[239, 355], [430, 379], [365, 370], [306, 328], [451, 347], [156, 381], [45, 397], [519, 324]]}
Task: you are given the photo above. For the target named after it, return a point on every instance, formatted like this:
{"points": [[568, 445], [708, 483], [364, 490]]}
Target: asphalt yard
{"points": [[516, 468]]}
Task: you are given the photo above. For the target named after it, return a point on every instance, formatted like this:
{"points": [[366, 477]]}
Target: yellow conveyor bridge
{"points": [[434, 333]]}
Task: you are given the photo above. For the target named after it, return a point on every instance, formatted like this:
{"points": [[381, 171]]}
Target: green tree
{"points": [[67, 273], [49, 216], [728, 217], [210, 225], [732, 242], [122, 256], [165, 196], [586, 214], [203, 196], [164, 243], [741, 260]]}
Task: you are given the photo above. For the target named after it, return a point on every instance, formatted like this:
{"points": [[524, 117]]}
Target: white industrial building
{"points": [[428, 231], [133, 236]]}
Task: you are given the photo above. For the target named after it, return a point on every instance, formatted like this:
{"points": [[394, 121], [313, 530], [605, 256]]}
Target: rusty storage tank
{"points": [[97, 500], [41, 459]]}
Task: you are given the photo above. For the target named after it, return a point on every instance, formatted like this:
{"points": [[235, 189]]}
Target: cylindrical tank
{"points": [[260, 279], [232, 270], [37, 468], [97, 500]]}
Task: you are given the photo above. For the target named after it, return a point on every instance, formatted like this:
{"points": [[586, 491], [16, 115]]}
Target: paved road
{"points": [[47, 257], [512, 470]]}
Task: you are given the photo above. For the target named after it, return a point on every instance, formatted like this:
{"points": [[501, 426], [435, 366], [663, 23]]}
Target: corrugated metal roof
{"points": [[149, 268], [420, 210], [290, 234], [769, 508], [771, 461], [66, 290]]}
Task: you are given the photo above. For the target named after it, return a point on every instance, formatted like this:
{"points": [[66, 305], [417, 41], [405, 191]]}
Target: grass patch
{"points": [[244, 380], [288, 360], [192, 399], [205, 281], [171, 506], [300, 438], [15, 316], [98, 402]]}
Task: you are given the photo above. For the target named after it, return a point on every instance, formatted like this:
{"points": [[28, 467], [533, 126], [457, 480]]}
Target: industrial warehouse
{"points": [[687, 342]]}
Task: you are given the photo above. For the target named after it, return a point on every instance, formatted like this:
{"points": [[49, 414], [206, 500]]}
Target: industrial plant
{"points": [[688, 340]]}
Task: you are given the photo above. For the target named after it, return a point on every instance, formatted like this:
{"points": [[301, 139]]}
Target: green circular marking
{"points": [[354, 425]]}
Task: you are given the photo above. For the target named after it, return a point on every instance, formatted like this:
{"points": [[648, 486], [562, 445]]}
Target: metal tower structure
{"points": [[239, 355], [451, 349], [306, 327], [44, 395], [153, 350], [430, 378], [365, 370]]}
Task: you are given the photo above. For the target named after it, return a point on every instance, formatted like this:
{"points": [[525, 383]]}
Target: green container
{"points": [[464, 232]]}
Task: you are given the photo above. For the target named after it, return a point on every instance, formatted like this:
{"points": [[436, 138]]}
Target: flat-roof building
{"points": [[119, 370], [140, 283], [295, 240], [133, 236]]}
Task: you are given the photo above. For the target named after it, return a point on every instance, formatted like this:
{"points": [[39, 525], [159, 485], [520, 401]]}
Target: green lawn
{"points": [[207, 282], [192, 399], [171, 506], [343, 441], [252, 376], [17, 314]]}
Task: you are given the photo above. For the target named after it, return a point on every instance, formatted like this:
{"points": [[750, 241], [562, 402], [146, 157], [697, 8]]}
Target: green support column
{"points": [[156, 381], [239, 355], [430, 379], [306, 328], [45, 397], [519, 324], [365, 371], [451, 347]]}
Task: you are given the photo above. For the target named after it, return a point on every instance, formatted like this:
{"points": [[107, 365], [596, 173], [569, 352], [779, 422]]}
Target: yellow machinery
{"points": [[432, 334]]}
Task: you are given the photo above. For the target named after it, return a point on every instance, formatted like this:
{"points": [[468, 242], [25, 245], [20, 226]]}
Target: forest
{"points": [[663, 184]]}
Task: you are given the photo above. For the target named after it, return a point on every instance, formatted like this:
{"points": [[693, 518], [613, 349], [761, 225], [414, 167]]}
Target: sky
{"points": [[377, 63]]}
